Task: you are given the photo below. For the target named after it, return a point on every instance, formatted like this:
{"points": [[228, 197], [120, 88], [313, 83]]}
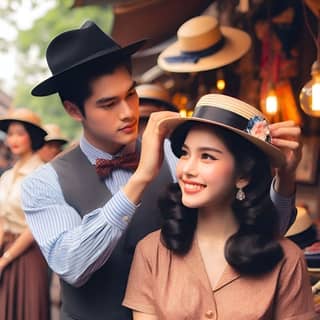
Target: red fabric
{"points": [[128, 162]]}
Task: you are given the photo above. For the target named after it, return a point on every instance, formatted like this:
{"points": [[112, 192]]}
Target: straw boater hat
{"points": [[232, 114], [204, 45], [30, 120], [25, 116], [153, 98], [54, 133], [73, 49]]}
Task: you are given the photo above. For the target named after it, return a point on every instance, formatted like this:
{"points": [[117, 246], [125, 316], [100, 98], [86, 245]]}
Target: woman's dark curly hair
{"points": [[254, 249]]}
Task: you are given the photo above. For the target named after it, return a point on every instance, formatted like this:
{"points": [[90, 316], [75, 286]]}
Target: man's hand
{"points": [[286, 135], [151, 156]]}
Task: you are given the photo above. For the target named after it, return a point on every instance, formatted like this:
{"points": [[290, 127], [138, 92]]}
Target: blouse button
{"points": [[209, 314]]}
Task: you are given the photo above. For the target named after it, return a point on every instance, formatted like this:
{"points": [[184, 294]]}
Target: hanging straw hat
{"points": [[204, 45], [54, 133], [72, 49], [232, 114], [153, 98]]}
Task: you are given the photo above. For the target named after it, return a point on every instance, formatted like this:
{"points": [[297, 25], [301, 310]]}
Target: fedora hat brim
{"points": [[275, 155], [237, 43], [49, 86]]}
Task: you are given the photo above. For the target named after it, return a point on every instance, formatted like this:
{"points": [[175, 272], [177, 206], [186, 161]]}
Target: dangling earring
{"points": [[240, 195]]}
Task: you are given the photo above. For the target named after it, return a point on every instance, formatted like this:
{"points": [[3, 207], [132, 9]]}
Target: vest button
{"points": [[209, 314]]}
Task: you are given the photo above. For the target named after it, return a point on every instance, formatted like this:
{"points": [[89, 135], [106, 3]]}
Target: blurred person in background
{"points": [[6, 159], [54, 142], [152, 98], [23, 271]]}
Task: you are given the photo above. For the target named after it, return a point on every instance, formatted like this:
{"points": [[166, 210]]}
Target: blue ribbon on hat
{"points": [[195, 56]]}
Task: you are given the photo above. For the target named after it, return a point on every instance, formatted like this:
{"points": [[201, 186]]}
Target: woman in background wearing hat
{"points": [[54, 142], [23, 271], [152, 98], [219, 254]]}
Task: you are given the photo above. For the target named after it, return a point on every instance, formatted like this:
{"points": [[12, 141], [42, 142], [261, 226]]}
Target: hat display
{"points": [[74, 48], [232, 114], [204, 45], [302, 232], [155, 95], [54, 133], [22, 115]]}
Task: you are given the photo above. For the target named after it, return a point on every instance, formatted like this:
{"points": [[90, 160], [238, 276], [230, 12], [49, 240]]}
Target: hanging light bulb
{"points": [[310, 93], [271, 102], [220, 84]]}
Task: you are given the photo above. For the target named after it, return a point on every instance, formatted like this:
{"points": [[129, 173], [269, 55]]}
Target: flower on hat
{"points": [[259, 128]]}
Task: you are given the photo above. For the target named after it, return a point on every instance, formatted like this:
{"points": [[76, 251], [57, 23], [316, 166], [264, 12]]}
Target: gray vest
{"points": [[102, 295]]}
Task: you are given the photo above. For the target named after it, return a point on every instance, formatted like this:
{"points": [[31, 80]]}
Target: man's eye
{"points": [[132, 92]]}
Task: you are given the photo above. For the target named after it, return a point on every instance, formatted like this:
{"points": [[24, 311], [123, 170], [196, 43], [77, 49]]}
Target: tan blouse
{"points": [[175, 287], [11, 212]]}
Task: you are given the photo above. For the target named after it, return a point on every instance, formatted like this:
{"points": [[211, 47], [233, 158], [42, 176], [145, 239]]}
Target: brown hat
{"points": [[54, 133], [204, 45], [232, 114], [22, 115], [156, 95]]}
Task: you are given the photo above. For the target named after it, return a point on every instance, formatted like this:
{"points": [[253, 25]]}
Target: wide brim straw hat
{"points": [[54, 133], [155, 95], [75, 48], [24, 116], [204, 45], [232, 114]]}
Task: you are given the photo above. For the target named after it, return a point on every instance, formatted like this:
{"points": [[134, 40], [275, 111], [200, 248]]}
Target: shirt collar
{"points": [[93, 153], [31, 164]]}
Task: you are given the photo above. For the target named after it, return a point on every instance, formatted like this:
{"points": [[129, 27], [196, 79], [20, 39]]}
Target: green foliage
{"points": [[32, 45]]}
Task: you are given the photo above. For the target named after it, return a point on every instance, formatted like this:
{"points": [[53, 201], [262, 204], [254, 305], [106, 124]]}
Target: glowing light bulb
{"points": [[310, 93], [221, 84], [271, 102], [183, 112]]}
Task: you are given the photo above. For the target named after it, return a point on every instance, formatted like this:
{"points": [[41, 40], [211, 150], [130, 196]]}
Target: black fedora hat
{"points": [[74, 48]]}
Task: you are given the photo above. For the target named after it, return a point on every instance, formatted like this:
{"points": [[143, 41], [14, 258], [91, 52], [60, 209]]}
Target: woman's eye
{"points": [[208, 156], [183, 153]]}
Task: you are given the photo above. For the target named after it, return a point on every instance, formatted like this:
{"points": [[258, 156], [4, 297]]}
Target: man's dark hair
{"points": [[75, 86]]}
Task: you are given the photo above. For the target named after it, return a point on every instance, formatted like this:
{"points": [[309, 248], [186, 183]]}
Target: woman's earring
{"points": [[240, 195]]}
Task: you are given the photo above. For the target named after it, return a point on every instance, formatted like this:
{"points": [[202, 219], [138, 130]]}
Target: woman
{"points": [[23, 271], [218, 254]]}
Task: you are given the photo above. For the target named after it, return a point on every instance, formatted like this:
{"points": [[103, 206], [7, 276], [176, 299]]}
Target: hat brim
{"points": [[237, 43], [49, 86], [159, 103], [275, 155], [5, 122], [59, 140]]}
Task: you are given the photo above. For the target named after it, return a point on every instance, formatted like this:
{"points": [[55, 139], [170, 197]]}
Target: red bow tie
{"points": [[128, 162]]}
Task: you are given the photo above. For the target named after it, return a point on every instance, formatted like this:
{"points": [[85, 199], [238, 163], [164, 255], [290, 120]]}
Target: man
{"points": [[87, 227], [54, 142], [152, 97]]}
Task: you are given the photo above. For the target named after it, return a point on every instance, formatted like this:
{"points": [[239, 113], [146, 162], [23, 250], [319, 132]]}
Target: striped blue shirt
{"points": [[76, 247]]}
